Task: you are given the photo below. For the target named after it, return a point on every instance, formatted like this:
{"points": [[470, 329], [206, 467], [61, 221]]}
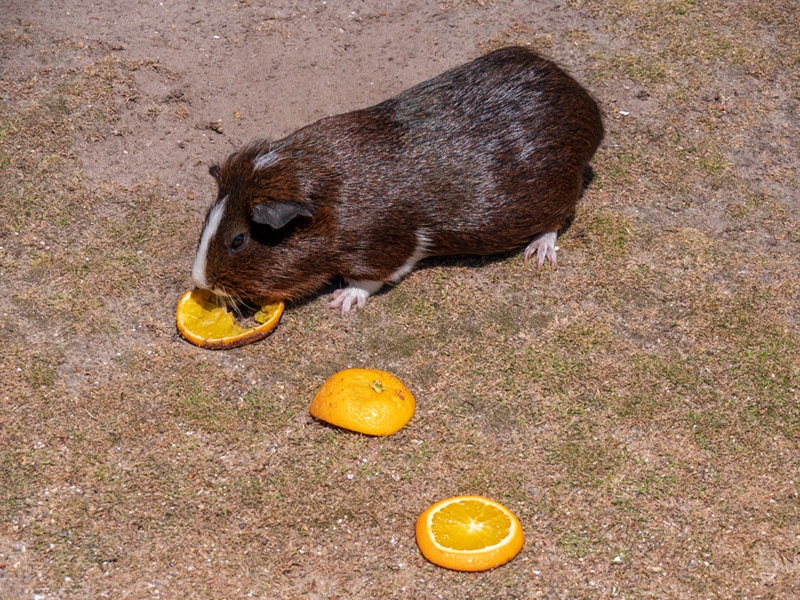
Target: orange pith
{"points": [[469, 533], [368, 401], [204, 320]]}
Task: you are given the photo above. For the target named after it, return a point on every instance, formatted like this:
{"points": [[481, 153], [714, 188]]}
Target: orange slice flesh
{"points": [[368, 401], [469, 533], [203, 319]]}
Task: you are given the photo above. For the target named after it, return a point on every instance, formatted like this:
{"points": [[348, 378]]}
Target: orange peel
{"points": [[204, 320], [469, 533], [368, 401]]}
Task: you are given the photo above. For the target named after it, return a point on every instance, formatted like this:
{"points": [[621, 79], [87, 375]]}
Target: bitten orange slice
{"points": [[469, 533], [204, 320], [364, 400]]}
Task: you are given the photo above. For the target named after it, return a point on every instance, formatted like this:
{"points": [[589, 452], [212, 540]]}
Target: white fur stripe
{"points": [[420, 252], [209, 231], [262, 161]]}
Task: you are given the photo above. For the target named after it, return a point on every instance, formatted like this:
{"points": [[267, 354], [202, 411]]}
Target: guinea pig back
{"points": [[485, 158]]}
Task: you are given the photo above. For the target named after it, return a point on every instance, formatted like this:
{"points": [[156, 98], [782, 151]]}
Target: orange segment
{"points": [[469, 533], [203, 319], [368, 401]]}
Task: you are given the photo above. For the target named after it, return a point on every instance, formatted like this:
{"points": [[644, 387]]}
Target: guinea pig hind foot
{"points": [[354, 295], [544, 247]]}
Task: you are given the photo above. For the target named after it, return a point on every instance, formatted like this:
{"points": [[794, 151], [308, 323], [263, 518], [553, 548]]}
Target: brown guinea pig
{"points": [[484, 158]]}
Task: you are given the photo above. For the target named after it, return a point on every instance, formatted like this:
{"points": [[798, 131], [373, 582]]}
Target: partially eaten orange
{"points": [[368, 401], [469, 533], [203, 319]]}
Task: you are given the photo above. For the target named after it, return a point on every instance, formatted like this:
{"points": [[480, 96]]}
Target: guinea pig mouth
{"points": [[245, 299], [232, 301], [243, 307], [221, 294]]}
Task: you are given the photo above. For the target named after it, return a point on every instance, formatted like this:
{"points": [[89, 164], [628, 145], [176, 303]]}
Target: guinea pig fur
{"points": [[485, 158]]}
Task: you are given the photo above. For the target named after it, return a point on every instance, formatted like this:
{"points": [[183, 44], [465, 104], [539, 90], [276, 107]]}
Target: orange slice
{"points": [[364, 400], [204, 320], [469, 533]]}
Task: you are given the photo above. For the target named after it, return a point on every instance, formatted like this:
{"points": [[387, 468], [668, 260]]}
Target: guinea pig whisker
{"points": [[224, 297], [239, 306]]}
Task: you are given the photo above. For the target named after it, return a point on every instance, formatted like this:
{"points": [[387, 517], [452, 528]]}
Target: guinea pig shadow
{"points": [[588, 177]]}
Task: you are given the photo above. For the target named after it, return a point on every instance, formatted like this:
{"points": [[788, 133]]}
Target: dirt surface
{"points": [[638, 408]]}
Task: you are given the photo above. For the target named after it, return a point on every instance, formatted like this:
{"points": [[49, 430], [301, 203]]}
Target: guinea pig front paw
{"points": [[355, 295], [544, 247]]}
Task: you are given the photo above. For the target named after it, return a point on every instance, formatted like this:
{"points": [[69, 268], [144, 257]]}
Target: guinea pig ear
{"points": [[213, 170], [278, 214]]}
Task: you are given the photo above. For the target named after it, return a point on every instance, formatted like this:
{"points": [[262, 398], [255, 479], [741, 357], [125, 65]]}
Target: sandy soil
{"points": [[224, 74], [638, 408]]}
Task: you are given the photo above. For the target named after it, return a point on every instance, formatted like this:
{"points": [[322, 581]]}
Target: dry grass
{"points": [[638, 409]]}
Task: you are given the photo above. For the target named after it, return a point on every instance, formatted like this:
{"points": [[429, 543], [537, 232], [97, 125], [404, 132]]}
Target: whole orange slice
{"points": [[203, 319], [469, 533], [368, 401]]}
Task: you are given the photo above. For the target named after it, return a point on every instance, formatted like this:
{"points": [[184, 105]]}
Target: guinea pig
{"points": [[484, 158]]}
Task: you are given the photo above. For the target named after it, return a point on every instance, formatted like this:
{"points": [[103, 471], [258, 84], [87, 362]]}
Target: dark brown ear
{"points": [[278, 214], [213, 170]]}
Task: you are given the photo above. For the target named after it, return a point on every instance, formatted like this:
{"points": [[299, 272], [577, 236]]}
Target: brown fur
{"points": [[477, 161]]}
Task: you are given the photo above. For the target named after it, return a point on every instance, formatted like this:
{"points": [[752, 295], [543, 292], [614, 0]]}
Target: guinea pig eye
{"points": [[237, 242]]}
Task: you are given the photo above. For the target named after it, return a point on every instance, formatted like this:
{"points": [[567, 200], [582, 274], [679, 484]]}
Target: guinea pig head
{"points": [[261, 235]]}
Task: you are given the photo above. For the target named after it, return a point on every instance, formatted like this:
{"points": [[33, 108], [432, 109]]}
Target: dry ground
{"points": [[637, 408]]}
